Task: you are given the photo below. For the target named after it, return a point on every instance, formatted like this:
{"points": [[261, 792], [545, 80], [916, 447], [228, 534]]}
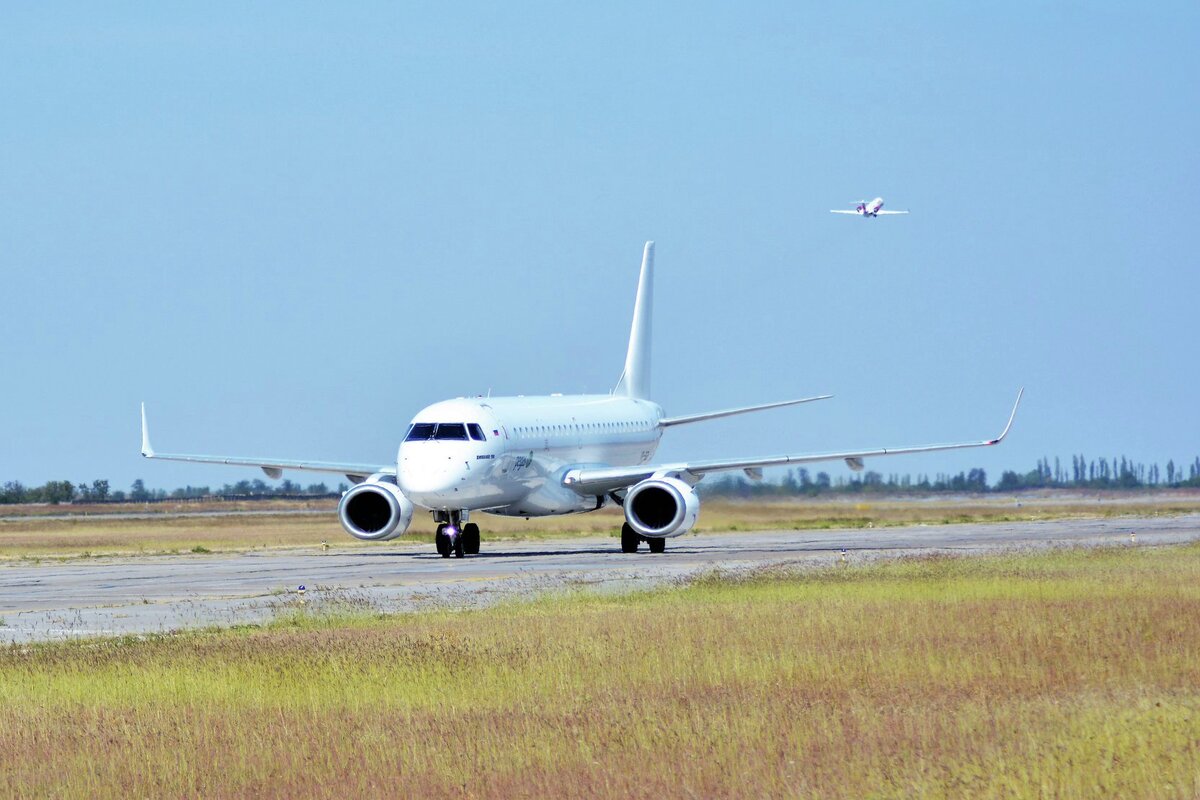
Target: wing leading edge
{"points": [[272, 467], [607, 479]]}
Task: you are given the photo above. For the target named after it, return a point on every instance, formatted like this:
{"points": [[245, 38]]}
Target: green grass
{"points": [[1062, 674]]}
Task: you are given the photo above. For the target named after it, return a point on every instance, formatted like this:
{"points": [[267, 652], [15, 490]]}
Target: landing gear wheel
{"points": [[657, 544], [459, 550], [442, 542], [470, 536], [629, 539]]}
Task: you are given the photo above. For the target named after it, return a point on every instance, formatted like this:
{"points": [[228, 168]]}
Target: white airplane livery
{"points": [[538, 456], [865, 209]]}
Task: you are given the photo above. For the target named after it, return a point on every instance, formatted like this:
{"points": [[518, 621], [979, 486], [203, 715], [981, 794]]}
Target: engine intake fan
{"points": [[375, 510], [662, 507]]}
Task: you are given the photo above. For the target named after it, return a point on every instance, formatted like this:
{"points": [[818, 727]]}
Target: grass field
{"points": [[29, 533], [1071, 674]]}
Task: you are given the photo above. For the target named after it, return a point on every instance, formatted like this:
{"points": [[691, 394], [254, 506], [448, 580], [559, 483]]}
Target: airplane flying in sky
{"points": [[865, 209], [537, 456]]}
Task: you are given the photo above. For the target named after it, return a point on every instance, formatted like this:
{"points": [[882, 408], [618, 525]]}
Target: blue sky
{"points": [[287, 227]]}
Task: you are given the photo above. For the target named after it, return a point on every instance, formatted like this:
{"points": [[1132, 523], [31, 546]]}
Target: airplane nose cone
{"points": [[431, 481], [413, 482]]}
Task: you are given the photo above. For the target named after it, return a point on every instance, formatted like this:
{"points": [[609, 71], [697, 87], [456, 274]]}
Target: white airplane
{"points": [[538, 456], [865, 209]]}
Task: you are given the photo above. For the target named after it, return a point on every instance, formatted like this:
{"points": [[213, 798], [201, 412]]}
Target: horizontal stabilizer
{"points": [[729, 412]]}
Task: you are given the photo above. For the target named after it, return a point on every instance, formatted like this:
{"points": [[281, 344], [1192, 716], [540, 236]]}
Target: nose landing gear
{"points": [[470, 537], [455, 537]]}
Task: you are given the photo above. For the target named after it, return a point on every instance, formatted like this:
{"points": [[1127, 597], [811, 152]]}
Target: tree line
{"points": [[100, 491], [1118, 473]]}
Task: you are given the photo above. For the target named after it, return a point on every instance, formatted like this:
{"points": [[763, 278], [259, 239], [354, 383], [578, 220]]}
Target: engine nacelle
{"points": [[662, 507], [375, 510]]}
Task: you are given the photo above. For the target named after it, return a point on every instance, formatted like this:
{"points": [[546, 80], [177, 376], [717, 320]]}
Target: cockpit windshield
{"points": [[451, 431], [420, 431]]}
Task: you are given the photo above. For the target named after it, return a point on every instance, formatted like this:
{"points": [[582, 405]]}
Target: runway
{"points": [[146, 594]]}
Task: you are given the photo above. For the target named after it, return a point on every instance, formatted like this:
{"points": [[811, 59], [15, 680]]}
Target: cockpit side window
{"points": [[451, 430], [420, 432], [475, 431]]}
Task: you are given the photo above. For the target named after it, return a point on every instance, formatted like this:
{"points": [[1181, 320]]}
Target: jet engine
{"points": [[662, 507], [375, 510]]}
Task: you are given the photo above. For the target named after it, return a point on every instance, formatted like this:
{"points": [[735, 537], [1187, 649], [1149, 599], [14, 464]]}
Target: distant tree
{"points": [[317, 488], [138, 492], [100, 490], [55, 492], [13, 492], [977, 480], [1009, 482]]}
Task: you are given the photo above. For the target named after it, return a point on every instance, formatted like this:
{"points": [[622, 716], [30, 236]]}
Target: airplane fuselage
{"points": [[544, 455], [508, 455], [871, 209]]}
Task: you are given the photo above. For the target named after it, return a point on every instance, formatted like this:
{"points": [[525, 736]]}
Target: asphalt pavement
{"points": [[146, 594]]}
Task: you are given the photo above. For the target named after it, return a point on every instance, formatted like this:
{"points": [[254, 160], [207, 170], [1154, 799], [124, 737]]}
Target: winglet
{"points": [[147, 450], [1011, 417]]}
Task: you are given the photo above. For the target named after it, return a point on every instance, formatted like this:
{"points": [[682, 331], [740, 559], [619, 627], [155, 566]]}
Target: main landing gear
{"points": [[630, 539], [453, 536]]}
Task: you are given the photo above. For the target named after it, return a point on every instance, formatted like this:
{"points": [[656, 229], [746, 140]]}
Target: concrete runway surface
{"points": [[57, 600]]}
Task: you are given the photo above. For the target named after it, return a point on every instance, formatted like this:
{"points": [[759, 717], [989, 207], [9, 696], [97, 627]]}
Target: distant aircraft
{"points": [[539, 456], [865, 209]]}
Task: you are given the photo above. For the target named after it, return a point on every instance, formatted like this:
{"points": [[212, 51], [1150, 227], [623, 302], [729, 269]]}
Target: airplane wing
{"points": [[885, 211], [601, 480], [273, 467], [845, 211]]}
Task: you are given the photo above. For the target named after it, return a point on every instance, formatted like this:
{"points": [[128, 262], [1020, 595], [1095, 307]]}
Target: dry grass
{"points": [[1072, 674], [83, 535]]}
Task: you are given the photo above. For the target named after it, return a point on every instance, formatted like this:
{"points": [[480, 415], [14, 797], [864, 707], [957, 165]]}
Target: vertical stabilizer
{"points": [[635, 380]]}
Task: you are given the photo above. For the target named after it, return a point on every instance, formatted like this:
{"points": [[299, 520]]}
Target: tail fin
{"points": [[635, 380]]}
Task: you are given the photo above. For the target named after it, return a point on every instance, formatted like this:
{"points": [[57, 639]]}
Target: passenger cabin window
{"points": [[475, 431]]}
